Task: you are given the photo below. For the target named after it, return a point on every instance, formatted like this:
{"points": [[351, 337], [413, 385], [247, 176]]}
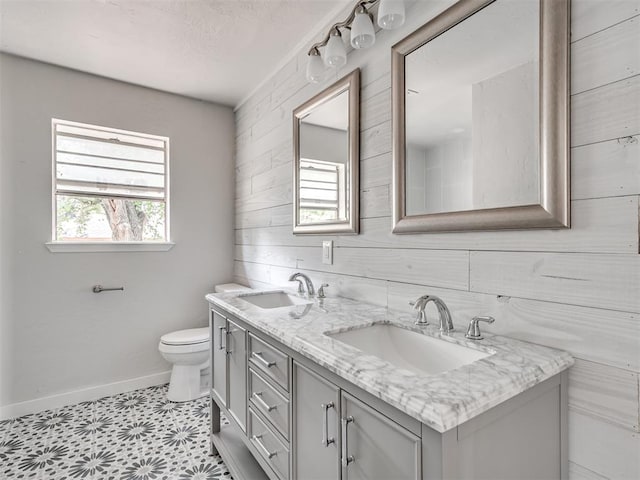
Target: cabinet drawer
{"points": [[269, 402], [270, 448], [269, 360]]}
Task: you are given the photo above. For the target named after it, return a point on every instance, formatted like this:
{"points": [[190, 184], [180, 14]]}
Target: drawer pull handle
{"points": [[258, 356], [257, 397], [267, 453], [326, 441], [346, 458], [220, 345]]}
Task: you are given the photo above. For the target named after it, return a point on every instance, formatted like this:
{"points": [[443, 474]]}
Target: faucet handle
{"points": [[473, 332], [419, 304], [321, 290]]}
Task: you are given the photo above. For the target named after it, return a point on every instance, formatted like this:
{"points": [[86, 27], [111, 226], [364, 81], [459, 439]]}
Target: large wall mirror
{"points": [[480, 118], [326, 139]]}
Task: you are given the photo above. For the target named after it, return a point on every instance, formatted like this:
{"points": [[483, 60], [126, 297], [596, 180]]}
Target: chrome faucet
{"points": [[473, 332], [311, 291], [446, 324]]}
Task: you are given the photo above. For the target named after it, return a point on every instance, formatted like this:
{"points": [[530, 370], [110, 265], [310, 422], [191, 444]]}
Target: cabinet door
{"points": [[375, 447], [316, 436], [237, 373], [219, 357]]}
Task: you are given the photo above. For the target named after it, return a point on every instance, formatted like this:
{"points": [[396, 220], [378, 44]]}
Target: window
{"points": [[321, 198], [109, 185]]}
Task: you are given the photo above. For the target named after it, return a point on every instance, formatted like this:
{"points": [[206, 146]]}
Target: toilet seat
{"points": [[191, 336], [188, 348]]}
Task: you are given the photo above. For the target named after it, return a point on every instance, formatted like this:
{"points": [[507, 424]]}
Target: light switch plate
{"points": [[327, 252]]}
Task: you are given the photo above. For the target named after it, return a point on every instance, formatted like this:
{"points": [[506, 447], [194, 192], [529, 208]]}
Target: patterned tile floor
{"points": [[132, 436]]}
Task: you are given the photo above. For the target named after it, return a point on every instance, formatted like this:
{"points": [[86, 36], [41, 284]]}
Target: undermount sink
{"points": [[273, 299], [409, 350]]}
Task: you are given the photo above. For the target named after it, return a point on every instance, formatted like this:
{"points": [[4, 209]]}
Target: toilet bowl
{"points": [[188, 351]]}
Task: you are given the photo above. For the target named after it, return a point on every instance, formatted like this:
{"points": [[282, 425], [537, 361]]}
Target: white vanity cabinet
{"points": [[229, 369], [218, 337], [237, 373], [338, 436], [292, 419], [316, 426], [375, 447]]}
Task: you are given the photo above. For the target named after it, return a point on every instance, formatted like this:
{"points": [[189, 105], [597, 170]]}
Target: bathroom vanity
{"points": [[339, 389]]}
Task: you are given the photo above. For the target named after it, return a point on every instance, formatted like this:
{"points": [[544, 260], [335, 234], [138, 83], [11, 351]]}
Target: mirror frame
{"points": [[553, 209], [349, 83]]}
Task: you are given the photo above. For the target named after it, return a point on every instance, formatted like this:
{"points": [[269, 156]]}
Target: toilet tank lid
{"points": [[230, 287], [186, 337]]}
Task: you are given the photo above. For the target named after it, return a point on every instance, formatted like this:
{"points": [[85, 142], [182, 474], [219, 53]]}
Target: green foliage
{"points": [[310, 215], [75, 215], [154, 211]]}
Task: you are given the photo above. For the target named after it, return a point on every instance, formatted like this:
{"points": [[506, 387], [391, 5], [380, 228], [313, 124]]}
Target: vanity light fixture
{"points": [[391, 14], [315, 67], [335, 53], [362, 35]]}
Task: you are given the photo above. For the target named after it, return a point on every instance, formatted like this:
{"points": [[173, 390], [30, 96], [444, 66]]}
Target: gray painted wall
{"points": [[56, 335], [576, 289], [322, 143], [439, 178], [505, 143]]}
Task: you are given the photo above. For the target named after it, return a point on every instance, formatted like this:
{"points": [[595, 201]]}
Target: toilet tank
{"points": [[230, 287]]}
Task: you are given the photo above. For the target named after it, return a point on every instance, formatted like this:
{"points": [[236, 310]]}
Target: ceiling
{"points": [[333, 113], [216, 50]]}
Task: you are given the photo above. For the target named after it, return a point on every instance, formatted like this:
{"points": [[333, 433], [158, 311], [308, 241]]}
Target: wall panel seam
{"points": [[577, 40], [604, 85]]}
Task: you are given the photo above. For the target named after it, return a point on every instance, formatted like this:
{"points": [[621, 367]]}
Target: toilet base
{"points": [[184, 385]]}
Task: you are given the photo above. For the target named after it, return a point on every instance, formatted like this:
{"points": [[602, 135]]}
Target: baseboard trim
{"points": [[86, 394]]}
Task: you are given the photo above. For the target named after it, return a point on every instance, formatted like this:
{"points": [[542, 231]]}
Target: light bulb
{"points": [[335, 55], [315, 67], [391, 14], [362, 32]]}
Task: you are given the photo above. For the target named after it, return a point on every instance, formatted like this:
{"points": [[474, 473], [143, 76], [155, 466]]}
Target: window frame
{"points": [[55, 245], [340, 184]]}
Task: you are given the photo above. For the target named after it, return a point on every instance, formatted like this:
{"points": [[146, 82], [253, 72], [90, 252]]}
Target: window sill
{"points": [[99, 247]]}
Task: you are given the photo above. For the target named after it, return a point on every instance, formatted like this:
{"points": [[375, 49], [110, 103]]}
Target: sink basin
{"points": [[410, 350], [273, 299]]}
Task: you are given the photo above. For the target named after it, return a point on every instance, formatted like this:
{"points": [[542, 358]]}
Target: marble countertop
{"points": [[442, 401]]}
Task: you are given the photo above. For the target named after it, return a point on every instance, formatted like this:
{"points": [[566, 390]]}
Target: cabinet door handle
{"points": [[326, 441], [228, 333], [346, 458], [220, 346], [257, 396], [258, 356], [257, 439]]}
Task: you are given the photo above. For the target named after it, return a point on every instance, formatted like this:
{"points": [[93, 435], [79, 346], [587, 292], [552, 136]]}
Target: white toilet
{"points": [[188, 351]]}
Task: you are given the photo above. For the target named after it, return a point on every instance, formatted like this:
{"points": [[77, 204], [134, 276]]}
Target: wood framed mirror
{"points": [[480, 98], [326, 157]]}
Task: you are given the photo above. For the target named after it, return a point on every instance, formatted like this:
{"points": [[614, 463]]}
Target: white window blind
{"points": [[319, 185], [95, 161]]}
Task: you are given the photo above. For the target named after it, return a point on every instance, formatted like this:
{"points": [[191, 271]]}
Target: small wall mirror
{"points": [[326, 139], [480, 119]]}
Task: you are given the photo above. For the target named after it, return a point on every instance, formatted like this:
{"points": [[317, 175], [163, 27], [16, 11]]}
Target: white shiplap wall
{"points": [[577, 290]]}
